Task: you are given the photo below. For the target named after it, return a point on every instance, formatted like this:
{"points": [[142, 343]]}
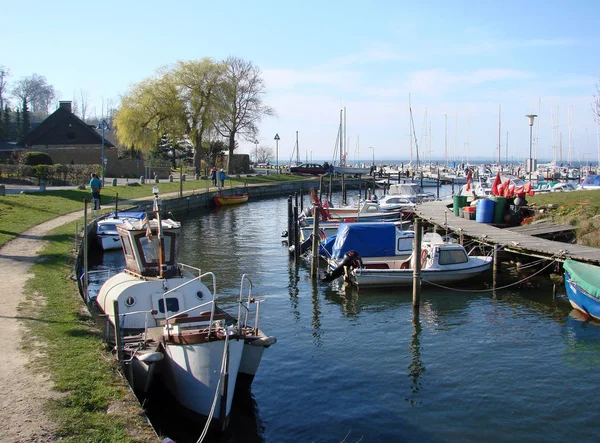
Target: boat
{"points": [[225, 200], [442, 262], [590, 182], [582, 282], [106, 229], [170, 328]]}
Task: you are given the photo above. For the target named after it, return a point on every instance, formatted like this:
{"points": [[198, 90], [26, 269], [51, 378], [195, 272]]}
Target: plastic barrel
{"points": [[459, 201], [485, 211], [499, 210]]}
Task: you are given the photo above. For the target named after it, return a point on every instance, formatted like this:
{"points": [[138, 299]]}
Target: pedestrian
{"points": [[95, 186], [222, 177], [213, 176]]}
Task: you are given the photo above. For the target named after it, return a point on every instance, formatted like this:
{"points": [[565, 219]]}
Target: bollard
{"points": [[114, 182], [156, 180], [42, 185], [183, 177], [171, 178], [142, 180], [2, 190], [197, 177]]}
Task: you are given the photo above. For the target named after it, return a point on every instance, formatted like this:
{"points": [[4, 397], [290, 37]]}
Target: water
{"points": [[356, 366]]}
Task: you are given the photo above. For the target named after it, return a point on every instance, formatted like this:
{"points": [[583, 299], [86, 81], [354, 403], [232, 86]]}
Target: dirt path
{"points": [[24, 390]]}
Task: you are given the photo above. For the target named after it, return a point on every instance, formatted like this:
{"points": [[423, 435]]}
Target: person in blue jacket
{"points": [[222, 177], [95, 186]]}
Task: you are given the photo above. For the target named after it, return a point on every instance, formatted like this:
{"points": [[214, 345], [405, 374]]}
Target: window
{"points": [[453, 256], [70, 135], [172, 305], [127, 246]]}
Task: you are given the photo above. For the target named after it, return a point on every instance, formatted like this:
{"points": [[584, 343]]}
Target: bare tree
{"points": [[4, 73], [36, 91], [84, 101], [596, 104], [241, 106], [264, 154]]}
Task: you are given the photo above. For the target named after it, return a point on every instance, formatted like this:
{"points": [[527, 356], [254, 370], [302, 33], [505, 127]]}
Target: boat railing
{"points": [[191, 269], [100, 275], [122, 320], [212, 302], [245, 305]]}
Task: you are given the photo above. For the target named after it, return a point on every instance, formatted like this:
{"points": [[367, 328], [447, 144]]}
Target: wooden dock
{"points": [[440, 214]]}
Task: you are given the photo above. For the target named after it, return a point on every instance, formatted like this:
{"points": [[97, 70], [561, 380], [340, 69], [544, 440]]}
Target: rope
{"points": [[217, 390], [493, 289]]}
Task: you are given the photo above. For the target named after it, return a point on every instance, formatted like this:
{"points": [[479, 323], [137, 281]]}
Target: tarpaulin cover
{"points": [[584, 275], [368, 239]]}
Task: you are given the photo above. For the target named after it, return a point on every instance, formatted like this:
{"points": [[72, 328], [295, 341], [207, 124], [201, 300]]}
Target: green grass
{"points": [[76, 358], [20, 212]]}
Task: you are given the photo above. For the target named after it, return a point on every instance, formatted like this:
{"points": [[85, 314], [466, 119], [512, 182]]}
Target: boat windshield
{"points": [[107, 227], [453, 256], [150, 249]]}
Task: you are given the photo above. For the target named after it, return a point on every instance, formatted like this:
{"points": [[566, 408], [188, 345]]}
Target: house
{"points": [[69, 140]]}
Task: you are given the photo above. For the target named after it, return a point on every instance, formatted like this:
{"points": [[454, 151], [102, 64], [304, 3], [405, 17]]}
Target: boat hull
{"points": [[580, 299], [225, 200]]}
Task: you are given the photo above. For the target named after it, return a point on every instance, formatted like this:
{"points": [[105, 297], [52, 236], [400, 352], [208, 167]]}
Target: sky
{"points": [[473, 69]]}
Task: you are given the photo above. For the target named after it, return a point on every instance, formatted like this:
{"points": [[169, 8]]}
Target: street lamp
{"points": [[104, 127], [371, 147], [277, 152], [530, 165]]}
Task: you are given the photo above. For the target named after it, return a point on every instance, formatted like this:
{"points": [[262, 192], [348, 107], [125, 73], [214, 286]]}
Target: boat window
{"points": [[126, 242], [150, 249], [453, 256], [172, 305], [105, 227]]}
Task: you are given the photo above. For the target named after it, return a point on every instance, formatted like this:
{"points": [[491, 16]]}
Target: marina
{"points": [[357, 365]]}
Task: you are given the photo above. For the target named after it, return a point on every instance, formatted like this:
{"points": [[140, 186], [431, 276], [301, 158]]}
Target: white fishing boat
{"points": [[441, 262], [169, 326]]}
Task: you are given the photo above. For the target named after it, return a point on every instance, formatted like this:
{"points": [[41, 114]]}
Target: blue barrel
{"points": [[485, 211]]}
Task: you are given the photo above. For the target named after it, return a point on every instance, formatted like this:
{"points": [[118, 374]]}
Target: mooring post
{"points": [[295, 229], [417, 265], [86, 280], [314, 265], [359, 186], [330, 194], [554, 291], [452, 185], [118, 341], [321, 188], [495, 268], [301, 199], [343, 190], [438, 183], [421, 179], [290, 220], [117, 204]]}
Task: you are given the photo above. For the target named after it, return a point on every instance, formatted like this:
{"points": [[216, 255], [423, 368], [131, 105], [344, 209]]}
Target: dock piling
{"points": [[314, 265], [417, 266]]}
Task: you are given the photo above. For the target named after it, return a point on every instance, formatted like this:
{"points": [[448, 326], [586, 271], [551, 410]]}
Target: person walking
{"points": [[213, 176], [222, 177], [95, 186]]}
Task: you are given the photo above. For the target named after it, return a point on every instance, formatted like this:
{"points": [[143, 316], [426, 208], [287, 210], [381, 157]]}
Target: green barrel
{"points": [[499, 210], [459, 201]]}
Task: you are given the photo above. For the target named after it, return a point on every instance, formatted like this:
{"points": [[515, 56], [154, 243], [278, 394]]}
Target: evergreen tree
{"points": [[18, 126], [26, 125], [2, 127], [5, 129]]}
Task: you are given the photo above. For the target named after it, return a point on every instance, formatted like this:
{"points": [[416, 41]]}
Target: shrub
{"points": [[37, 158]]}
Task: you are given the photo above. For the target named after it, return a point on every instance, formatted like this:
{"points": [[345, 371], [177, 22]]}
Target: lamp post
{"points": [[531, 117], [104, 127], [371, 147], [255, 151], [277, 152]]}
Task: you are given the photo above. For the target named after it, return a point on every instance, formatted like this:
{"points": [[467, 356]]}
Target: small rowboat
{"points": [[222, 200]]}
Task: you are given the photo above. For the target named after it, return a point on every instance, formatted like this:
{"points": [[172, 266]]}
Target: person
{"points": [[213, 176], [95, 186], [222, 177]]}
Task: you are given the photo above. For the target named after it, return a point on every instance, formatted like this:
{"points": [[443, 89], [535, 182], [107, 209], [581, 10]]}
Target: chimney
{"points": [[66, 105]]}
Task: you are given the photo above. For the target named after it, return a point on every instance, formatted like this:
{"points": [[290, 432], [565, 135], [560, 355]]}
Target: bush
{"points": [[37, 158]]}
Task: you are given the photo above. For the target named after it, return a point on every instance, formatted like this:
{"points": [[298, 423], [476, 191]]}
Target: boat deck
{"points": [[439, 214]]}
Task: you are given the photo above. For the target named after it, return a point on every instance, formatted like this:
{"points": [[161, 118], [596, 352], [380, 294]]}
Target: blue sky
{"points": [[456, 59]]}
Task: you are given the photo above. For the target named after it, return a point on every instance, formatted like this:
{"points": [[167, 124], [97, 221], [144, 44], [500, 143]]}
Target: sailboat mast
{"points": [[345, 139], [446, 137], [499, 127], [297, 150], [410, 132], [341, 137]]}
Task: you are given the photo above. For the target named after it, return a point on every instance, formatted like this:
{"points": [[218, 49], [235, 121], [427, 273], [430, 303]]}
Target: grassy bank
{"points": [[94, 404], [20, 212], [577, 208]]}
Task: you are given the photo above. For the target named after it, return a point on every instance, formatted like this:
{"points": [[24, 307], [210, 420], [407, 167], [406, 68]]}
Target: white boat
{"points": [[351, 170], [442, 262], [106, 228], [171, 327]]}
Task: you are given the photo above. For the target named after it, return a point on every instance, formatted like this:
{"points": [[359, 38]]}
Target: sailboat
{"points": [[343, 167]]}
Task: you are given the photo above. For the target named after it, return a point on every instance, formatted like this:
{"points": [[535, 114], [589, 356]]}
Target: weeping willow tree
{"points": [[190, 100], [178, 101]]}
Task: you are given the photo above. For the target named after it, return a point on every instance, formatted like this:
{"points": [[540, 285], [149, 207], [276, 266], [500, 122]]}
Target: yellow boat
{"points": [[222, 200]]}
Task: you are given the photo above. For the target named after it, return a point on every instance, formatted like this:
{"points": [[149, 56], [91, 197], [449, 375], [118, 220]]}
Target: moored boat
{"points": [[224, 200], [582, 282], [106, 228]]}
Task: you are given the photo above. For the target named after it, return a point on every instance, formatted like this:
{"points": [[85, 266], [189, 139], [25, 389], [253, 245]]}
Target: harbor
{"points": [[356, 365]]}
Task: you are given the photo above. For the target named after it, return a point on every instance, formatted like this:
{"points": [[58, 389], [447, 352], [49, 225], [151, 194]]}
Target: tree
{"points": [[5, 127], [264, 154], [596, 104], [36, 91], [173, 150], [178, 101], [4, 72], [84, 103], [18, 125], [25, 124], [240, 103]]}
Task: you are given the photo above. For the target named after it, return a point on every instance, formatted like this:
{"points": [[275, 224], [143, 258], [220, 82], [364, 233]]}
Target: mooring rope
{"points": [[492, 289], [217, 389]]}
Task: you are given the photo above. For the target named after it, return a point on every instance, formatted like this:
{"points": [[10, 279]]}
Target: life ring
{"points": [[423, 258]]}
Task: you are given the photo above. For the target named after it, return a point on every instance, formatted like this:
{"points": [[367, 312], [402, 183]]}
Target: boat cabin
{"points": [[145, 255]]}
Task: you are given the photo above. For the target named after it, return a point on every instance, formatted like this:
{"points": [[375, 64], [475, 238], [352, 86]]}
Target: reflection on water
{"points": [[356, 365]]}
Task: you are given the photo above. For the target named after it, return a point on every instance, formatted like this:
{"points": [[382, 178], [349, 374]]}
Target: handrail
{"points": [[241, 303]]}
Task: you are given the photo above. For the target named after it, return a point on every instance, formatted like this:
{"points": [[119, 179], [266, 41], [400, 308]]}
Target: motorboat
{"points": [[169, 327], [582, 282], [397, 203], [225, 200], [590, 182], [106, 228], [442, 262]]}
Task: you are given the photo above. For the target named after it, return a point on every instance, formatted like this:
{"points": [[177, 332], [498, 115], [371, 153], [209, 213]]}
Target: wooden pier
{"points": [[440, 214]]}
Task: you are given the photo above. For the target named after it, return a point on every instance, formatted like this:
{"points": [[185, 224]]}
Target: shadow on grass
{"points": [[39, 320], [52, 238]]}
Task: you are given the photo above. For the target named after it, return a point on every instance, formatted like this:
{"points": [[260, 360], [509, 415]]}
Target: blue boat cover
{"points": [[584, 275], [591, 180], [368, 239], [326, 246], [129, 214]]}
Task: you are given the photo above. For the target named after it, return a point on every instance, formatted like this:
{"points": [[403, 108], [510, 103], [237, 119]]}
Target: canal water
{"points": [[356, 366]]}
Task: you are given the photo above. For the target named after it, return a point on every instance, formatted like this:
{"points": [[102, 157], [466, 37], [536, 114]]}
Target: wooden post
{"points": [[417, 266], [301, 200], [343, 190], [321, 188], [314, 265], [438, 183], [452, 185], [421, 179], [289, 221], [86, 280], [495, 269], [329, 196], [118, 342], [117, 204], [296, 237], [359, 185]]}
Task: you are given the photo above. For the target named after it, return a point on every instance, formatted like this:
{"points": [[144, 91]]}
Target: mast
{"points": [[345, 139], [341, 137], [570, 120], [446, 137], [413, 132], [506, 158], [297, 150], [410, 131], [499, 127]]}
